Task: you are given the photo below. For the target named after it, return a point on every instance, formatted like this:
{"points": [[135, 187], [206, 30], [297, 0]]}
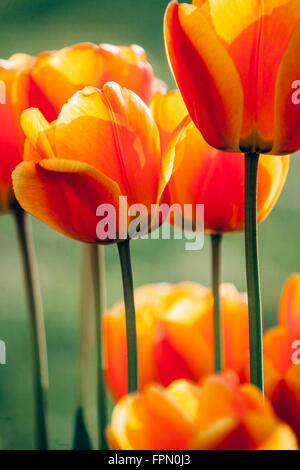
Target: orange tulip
{"points": [[104, 144], [219, 415], [11, 137], [211, 177], [85, 64], [237, 67], [175, 334], [282, 357]]}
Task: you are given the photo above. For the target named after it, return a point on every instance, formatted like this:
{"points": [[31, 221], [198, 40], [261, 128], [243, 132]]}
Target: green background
{"points": [[32, 26]]}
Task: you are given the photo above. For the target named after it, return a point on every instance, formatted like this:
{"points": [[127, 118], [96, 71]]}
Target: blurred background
{"points": [[32, 26]]}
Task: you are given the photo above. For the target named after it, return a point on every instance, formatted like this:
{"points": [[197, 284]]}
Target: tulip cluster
{"points": [[92, 142]]}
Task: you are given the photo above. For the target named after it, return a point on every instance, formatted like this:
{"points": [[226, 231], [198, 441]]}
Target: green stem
{"points": [[252, 269], [216, 244], [40, 365], [97, 263], [132, 355]]}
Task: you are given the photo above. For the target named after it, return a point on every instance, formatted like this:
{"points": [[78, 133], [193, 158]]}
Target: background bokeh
{"points": [[35, 25]]}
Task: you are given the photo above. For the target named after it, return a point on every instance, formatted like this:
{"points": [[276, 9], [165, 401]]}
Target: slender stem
{"points": [[216, 244], [40, 365], [252, 269], [132, 355], [97, 263]]}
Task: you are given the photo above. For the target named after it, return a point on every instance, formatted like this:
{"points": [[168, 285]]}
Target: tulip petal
{"points": [[278, 348], [186, 394], [11, 135], [287, 109], [205, 74], [134, 422], [289, 306], [234, 312], [272, 175], [282, 438], [39, 132], [292, 408], [170, 364], [188, 336], [127, 66], [27, 94], [168, 111], [71, 69], [284, 393], [225, 434], [65, 195], [10, 139], [113, 131]]}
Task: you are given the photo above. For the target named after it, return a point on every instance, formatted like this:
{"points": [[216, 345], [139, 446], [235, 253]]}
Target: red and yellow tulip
{"points": [[175, 334], [282, 357], [11, 136], [204, 175], [218, 415], [103, 145], [236, 64]]}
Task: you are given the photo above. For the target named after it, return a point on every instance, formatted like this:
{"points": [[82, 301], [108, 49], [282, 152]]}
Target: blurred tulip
{"points": [[237, 67], [207, 176], [103, 145], [11, 136], [219, 415], [184, 343], [175, 334], [85, 64], [282, 357]]}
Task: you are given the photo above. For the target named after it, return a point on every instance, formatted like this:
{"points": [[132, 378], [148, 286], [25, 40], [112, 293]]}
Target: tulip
{"points": [[175, 335], [208, 176], [282, 357], [85, 64], [220, 414], [235, 67], [11, 138], [104, 144]]}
